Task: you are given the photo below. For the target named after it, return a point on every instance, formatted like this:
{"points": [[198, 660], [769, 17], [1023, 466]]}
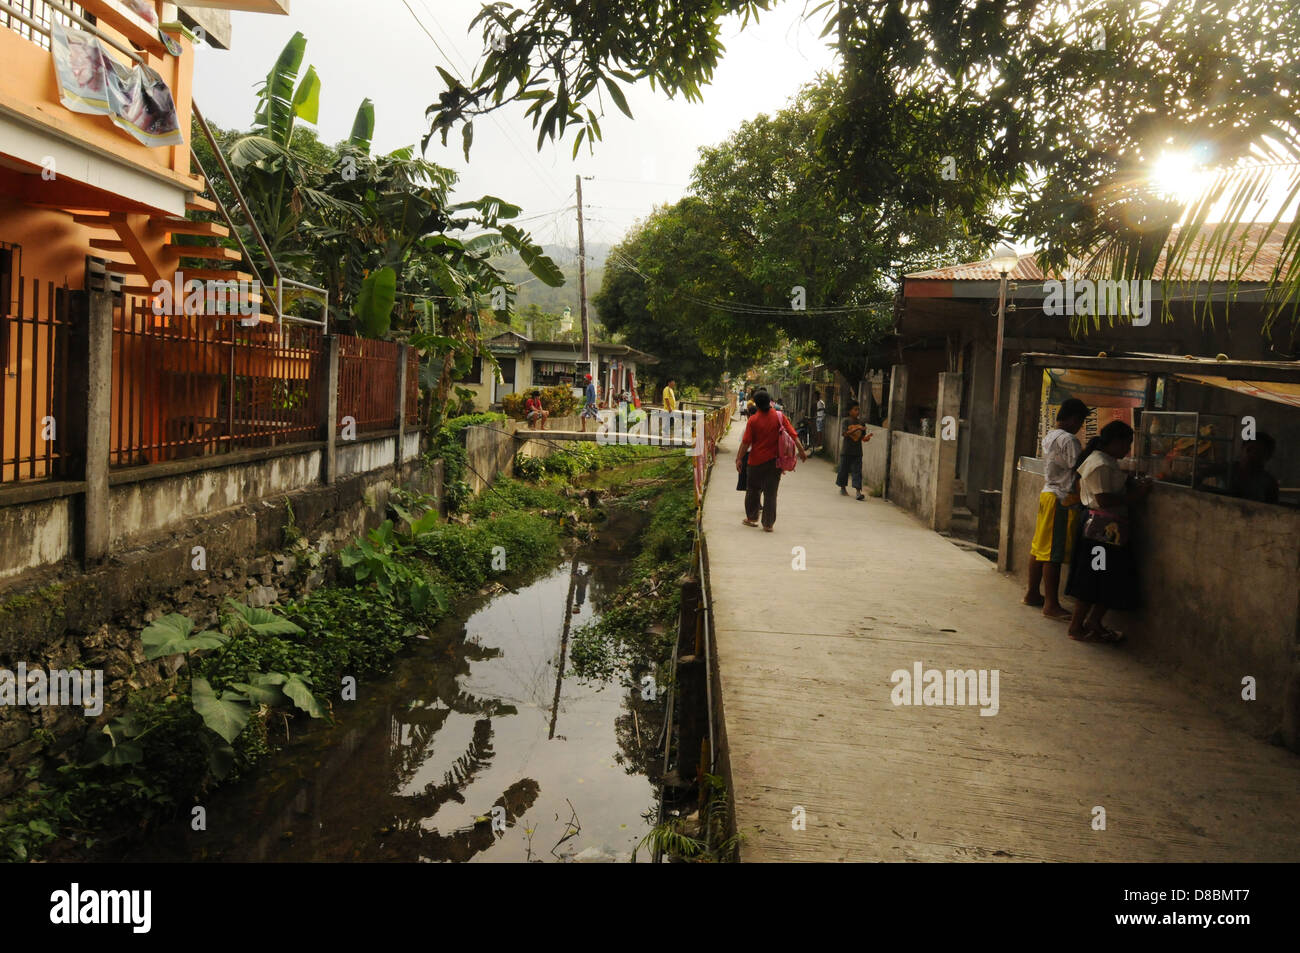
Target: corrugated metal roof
{"points": [[1195, 267]]}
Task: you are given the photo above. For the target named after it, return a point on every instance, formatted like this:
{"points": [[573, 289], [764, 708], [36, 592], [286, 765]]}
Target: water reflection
{"points": [[479, 721]]}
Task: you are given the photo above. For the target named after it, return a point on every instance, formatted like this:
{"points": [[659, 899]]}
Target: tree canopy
{"points": [[767, 248], [1052, 113]]}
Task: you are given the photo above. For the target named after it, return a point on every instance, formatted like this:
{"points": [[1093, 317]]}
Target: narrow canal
{"points": [[480, 745]]}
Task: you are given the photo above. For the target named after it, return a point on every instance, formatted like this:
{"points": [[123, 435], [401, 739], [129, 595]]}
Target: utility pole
{"points": [[582, 280]]}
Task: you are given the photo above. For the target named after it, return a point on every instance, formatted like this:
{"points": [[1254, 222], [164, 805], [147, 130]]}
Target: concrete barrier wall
{"points": [[911, 478], [35, 535], [1201, 615], [831, 438], [41, 524], [363, 456], [875, 458], [143, 509], [490, 450]]}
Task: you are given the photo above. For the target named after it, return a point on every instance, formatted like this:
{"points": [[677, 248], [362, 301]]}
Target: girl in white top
{"points": [[1103, 572]]}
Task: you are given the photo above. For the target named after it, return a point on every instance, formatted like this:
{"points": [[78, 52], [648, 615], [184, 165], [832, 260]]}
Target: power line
{"points": [[505, 132]]}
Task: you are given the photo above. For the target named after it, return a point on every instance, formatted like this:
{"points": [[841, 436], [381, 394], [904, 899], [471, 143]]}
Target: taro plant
{"points": [[382, 560], [224, 713]]}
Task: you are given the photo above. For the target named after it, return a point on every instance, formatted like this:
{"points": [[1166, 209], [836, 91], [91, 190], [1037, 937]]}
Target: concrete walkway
{"points": [[806, 659]]}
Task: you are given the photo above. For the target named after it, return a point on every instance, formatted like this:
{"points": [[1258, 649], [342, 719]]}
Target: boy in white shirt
{"points": [[1058, 511]]}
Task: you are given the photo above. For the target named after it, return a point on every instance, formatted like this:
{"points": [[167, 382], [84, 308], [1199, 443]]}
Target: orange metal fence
{"points": [[187, 386], [34, 345], [368, 383]]}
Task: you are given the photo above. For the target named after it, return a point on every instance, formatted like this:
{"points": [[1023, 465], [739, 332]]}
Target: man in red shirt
{"points": [[535, 412], [760, 442]]}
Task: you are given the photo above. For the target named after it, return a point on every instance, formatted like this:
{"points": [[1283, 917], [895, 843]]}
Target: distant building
{"points": [[525, 363]]}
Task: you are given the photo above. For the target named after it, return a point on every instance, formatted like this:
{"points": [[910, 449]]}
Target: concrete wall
{"points": [[1202, 617], [491, 450], [364, 455], [875, 458], [36, 535], [41, 524], [831, 438], [142, 509], [911, 477]]}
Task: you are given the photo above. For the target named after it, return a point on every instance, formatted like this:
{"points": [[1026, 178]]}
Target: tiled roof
{"points": [[1195, 266]]}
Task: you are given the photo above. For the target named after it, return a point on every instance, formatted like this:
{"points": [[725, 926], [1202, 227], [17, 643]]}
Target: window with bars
{"points": [[43, 14]]}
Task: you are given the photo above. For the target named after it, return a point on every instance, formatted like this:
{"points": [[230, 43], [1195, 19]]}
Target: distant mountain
{"points": [[555, 300]]}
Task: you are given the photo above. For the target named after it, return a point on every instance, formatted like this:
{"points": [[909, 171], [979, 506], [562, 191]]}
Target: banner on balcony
{"points": [[91, 81]]}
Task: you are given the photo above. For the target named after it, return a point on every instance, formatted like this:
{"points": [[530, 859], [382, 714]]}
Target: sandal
{"points": [[1105, 636], [749, 522], [1110, 636]]}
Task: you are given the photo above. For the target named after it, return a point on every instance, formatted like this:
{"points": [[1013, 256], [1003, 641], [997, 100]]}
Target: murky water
{"points": [[475, 724]]}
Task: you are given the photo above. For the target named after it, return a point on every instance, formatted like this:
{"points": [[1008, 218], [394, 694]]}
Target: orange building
{"points": [[80, 195]]}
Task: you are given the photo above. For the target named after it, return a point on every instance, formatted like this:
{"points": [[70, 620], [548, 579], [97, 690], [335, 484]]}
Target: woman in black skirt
{"points": [[1103, 572]]}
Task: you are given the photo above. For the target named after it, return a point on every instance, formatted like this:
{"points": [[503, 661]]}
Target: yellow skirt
{"points": [[1054, 530]]}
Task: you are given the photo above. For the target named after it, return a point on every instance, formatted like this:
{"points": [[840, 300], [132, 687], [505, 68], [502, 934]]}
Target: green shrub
{"points": [[558, 401]]}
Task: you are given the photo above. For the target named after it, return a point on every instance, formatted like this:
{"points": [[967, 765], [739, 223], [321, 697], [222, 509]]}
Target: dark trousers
{"points": [[762, 482], [849, 467]]}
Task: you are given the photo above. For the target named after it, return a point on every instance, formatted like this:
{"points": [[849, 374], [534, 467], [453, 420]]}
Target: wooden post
{"points": [[332, 411]]}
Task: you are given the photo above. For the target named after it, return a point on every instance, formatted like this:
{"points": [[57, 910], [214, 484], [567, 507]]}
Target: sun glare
{"points": [[1179, 176]]}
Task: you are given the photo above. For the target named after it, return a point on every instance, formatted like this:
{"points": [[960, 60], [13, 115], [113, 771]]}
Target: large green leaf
{"points": [[170, 635], [162, 636], [425, 523], [272, 695], [127, 752], [374, 307], [275, 110], [264, 621], [296, 688], [363, 126], [533, 257], [226, 714], [306, 99]]}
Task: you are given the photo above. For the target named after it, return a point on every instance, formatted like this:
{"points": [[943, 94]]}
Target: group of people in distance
{"points": [[537, 415]]}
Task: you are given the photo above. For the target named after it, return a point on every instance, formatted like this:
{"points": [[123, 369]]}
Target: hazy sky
{"points": [[377, 49]]}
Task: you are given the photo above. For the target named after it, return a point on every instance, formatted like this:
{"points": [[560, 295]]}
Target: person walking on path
{"points": [[821, 419], [853, 436], [762, 442], [1058, 510], [1103, 575], [589, 409]]}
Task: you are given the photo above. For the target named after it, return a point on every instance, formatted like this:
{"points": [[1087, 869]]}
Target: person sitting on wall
{"points": [[536, 413], [1250, 480]]}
